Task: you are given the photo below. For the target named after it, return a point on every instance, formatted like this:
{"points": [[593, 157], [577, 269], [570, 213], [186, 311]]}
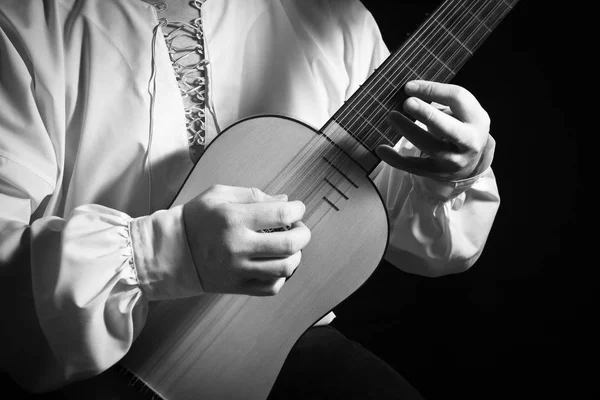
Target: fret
{"points": [[430, 65], [436, 51], [450, 34], [468, 27], [366, 126], [383, 106], [390, 136], [509, 5], [420, 64], [393, 84], [443, 75], [409, 68], [348, 128], [498, 15], [476, 17], [373, 128]]}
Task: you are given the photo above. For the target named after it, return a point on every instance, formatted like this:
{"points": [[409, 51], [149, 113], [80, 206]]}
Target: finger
{"points": [[428, 167], [270, 215], [272, 268], [280, 244], [440, 124], [462, 102], [238, 194], [262, 287], [419, 137], [443, 108]]}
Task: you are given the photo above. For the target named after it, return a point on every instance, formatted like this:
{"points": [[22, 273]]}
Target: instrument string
{"points": [[337, 154], [462, 55], [429, 60], [381, 83], [360, 117], [417, 51], [355, 116], [424, 32]]}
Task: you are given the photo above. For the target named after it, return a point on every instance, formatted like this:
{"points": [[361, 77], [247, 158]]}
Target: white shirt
{"points": [[77, 115]]}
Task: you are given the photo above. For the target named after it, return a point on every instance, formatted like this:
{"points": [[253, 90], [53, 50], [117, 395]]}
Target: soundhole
{"points": [[280, 229]]}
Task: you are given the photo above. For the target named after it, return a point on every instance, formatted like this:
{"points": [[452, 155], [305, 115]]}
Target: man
{"points": [[94, 146]]}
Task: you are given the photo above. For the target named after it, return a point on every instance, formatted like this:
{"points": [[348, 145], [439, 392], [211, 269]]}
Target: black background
{"points": [[519, 323]]}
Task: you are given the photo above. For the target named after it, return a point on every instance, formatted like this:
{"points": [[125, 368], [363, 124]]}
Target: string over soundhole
{"points": [[280, 229]]}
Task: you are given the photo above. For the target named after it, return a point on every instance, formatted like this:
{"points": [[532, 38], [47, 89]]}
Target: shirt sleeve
{"points": [[436, 228], [74, 289]]}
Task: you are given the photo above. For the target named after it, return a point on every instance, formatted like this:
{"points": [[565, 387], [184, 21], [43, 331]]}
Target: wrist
{"points": [[162, 255]]}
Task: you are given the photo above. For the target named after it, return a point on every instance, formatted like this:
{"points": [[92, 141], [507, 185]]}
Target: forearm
{"points": [[83, 284]]}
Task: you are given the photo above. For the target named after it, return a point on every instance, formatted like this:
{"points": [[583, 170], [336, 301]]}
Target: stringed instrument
{"points": [[233, 346]]}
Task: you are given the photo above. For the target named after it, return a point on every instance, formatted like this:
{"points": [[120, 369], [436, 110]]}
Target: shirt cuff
{"points": [[448, 190], [443, 190], [162, 257]]}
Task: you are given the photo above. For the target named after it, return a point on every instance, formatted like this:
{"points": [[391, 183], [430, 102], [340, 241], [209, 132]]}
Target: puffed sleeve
{"points": [[437, 228], [73, 290]]}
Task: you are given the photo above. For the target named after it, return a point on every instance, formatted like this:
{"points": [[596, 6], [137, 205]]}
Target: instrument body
{"points": [[233, 346]]}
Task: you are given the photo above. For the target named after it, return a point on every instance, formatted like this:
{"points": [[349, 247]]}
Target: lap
{"points": [[326, 364]]}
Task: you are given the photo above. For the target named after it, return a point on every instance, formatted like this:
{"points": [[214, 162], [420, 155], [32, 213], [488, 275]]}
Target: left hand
{"points": [[456, 136]]}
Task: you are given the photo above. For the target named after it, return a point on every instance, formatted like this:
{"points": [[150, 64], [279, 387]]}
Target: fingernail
{"points": [[282, 197], [411, 104], [411, 86], [393, 115]]}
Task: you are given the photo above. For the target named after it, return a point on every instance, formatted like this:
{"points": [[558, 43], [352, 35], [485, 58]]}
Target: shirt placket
{"points": [[185, 43]]}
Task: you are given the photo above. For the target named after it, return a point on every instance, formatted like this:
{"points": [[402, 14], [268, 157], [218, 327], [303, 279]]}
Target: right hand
{"points": [[231, 255]]}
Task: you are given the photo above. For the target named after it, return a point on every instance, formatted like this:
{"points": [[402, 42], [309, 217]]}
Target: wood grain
{"points": [[233, 346]]}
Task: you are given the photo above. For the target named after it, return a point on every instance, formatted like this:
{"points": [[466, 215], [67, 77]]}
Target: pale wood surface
{"points": [[230, 346]]}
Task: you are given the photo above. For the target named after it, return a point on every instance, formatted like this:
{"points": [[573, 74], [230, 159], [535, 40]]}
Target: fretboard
{"points": [[435, 52]]}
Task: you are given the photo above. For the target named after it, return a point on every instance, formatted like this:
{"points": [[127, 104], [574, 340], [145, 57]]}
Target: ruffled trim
{"points": [[189, 64], [163, 259], [87, 292]]}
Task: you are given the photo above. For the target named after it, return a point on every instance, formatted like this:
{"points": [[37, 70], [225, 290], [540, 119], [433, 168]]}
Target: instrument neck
{"points": [[435, 52]]}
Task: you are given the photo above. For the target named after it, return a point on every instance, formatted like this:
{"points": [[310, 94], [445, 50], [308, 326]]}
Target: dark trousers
{"points": [[324, 364]]}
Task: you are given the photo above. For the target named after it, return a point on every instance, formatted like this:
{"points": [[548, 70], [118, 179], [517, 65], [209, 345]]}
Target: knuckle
{"points": [[459, 161], [428, 90], [287, 269], [256, 194], [285, 214], [290, 264], [234, 246], [289, 246], [226, 214], [460, 93], [228, 253], [478, 140], [213, 195], [429, 114], [218, 188]]}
